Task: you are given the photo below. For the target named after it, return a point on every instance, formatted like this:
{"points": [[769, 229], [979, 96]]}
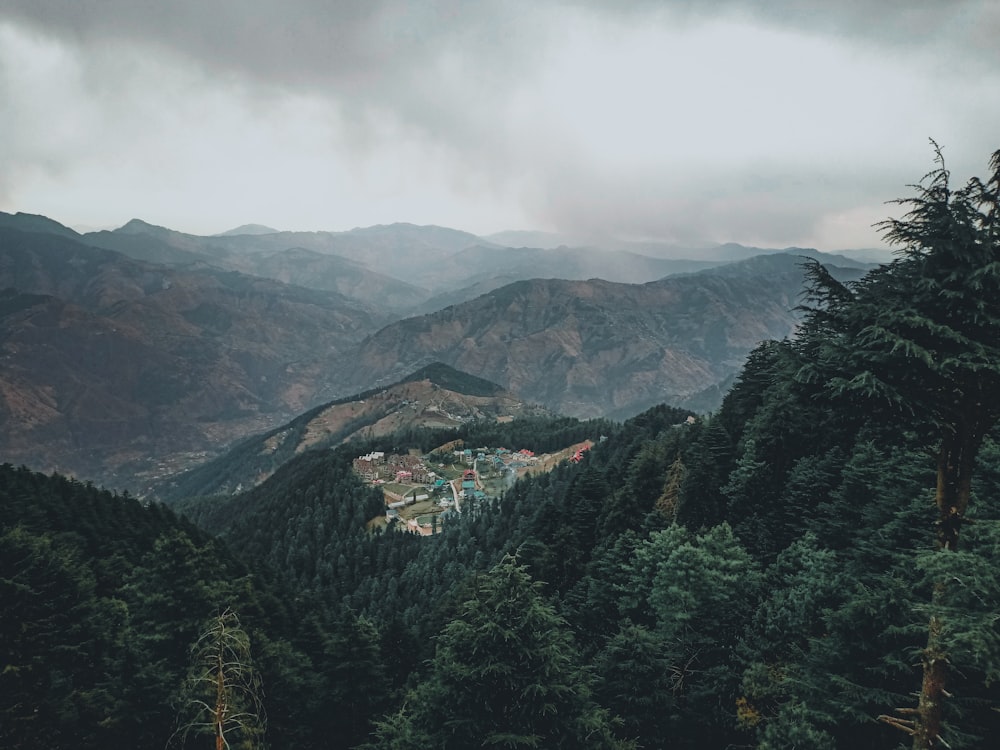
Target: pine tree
{"points": [[637, 681], [60, 682]]}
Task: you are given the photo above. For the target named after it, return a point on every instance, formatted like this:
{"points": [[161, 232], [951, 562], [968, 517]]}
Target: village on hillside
{"points": [[423, 492]]}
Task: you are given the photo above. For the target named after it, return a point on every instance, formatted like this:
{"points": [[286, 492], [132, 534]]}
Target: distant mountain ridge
{"points": [[248, 229], [292, 258], [410, 268], [35, 223]]}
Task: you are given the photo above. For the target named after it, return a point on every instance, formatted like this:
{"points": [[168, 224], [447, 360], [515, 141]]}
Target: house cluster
{"points": [[500, 459], [379, 466]]}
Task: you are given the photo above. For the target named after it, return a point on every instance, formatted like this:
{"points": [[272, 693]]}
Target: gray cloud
{"points": [[683, 146], [968, 27], [363, 45]]}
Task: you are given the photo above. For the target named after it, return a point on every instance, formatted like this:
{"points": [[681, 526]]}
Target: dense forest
{"points": [[812, 566]]}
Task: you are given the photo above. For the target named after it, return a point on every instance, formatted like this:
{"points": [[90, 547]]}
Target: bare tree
{"points": [[223, 694]]}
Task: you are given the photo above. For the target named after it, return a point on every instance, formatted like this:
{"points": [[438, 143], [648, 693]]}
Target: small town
{"points": [[423, 492]]}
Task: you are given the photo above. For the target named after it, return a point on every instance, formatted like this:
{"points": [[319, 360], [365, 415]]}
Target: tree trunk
{"points": [[930, 706], [954, 485], [956, 461], [220, 701]]}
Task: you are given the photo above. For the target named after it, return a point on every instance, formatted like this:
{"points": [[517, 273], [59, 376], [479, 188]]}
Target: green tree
{"points": [[505, 674], [919, 338], [782, 696], [354, 688], [60, 680], [637, 681], [696, 592]]}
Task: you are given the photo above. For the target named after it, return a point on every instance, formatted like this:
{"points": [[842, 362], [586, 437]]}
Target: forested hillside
{"points": [[812, 566], [104, 603]]}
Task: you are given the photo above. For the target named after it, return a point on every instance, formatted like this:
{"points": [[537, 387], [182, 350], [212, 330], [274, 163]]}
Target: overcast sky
{"points": [[771, 123]]}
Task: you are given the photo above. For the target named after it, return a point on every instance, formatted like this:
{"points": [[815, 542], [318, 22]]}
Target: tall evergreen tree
{"points": [[920, 337], [60, 683]]}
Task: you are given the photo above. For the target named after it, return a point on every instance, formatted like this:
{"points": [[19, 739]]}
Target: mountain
{"points": [[836, 259], [531, 238], [731, 252], [436, 396], [35, 223], [155, 247], [479, 263], [412, 269], [249, 229], [116, 365], [464, 294], [192, 342], [281, 260], [480, 269], [333, 273], [877, 255], [590, 348]]}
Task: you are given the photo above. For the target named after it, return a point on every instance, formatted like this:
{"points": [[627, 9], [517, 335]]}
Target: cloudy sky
{"points": [[767, 122]]}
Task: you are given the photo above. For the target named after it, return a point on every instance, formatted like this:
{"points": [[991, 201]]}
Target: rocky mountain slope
{"points": [[108, 361], [596, 348]]}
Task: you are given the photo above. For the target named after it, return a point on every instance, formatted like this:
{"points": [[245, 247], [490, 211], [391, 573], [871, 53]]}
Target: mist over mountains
{"points": [[140, 351]]}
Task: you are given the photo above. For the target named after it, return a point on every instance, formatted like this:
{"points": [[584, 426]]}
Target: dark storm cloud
{"points": [[359, 45], [355, 45], [434, 64]]}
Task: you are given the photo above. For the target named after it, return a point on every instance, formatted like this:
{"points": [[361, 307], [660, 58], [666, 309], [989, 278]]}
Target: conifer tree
{"points": [[58, 663], [637, 681], [505, 674], [919, 338], [695, 594]]}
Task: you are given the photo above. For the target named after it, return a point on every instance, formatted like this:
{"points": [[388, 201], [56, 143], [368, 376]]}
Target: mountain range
{"points": [[409, 269], [142, 351]]}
